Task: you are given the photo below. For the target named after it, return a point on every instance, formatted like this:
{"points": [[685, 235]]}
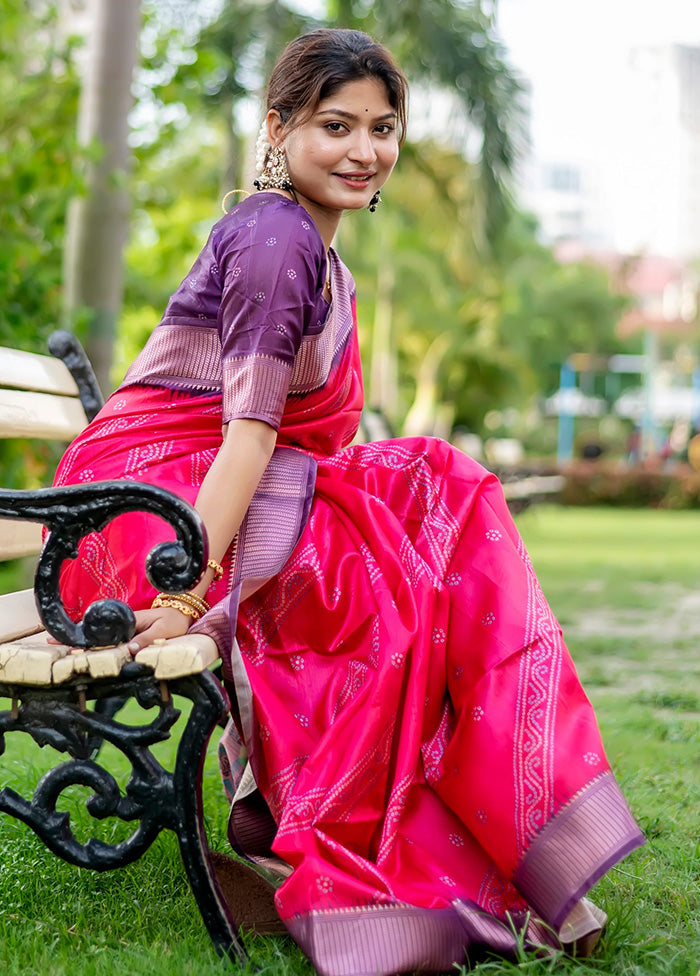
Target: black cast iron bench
{"points": [[66, 696]]}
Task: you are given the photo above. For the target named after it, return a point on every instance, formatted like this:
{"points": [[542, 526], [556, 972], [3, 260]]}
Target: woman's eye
{"points": [[335, 126], [384, 129]]}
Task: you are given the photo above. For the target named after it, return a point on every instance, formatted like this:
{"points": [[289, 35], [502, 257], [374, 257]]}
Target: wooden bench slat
{"points": [[40, 415], [178, 656], [19, 539], [31, 371], [104, 662], [534, 486], [18, 615], [30, 659]]}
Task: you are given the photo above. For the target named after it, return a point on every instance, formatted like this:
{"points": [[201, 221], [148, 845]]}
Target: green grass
{"points": [[626, 586]]}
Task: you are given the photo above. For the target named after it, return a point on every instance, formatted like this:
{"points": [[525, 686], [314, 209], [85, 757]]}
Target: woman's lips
{"points": [[355, 179]]}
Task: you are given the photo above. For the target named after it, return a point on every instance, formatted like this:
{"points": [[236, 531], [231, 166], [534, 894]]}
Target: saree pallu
{"points": [[416, 726]]}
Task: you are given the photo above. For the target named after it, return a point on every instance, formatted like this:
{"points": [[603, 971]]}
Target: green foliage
{"points": [[485, 330], [452, 46], [175, 204], [476, 329], [551, 310], [195, 90], [39, 168]]}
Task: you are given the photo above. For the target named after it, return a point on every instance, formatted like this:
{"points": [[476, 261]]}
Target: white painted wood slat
{"points": [[31, 660], [19, 539], [30, 371], [40, 415], [18, 615]]}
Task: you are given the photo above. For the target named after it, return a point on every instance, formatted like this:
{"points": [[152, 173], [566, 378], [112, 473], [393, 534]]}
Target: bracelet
{"points": [[187, 599], [188, 611], [197, 602], [218, 569]]}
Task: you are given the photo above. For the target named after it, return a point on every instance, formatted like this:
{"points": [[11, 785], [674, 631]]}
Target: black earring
{"points": [[377, 198]]}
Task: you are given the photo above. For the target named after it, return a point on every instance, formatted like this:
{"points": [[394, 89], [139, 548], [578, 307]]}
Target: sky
{"points": [[572, 51]]}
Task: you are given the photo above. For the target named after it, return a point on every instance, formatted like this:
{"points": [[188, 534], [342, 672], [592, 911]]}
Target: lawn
{"points": [[626, 587]]}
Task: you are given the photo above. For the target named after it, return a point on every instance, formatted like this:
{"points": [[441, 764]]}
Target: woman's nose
{"points": [[363, 147]]}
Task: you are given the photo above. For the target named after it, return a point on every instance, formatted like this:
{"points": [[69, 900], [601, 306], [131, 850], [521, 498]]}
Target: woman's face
{"points": [[345, 152]]}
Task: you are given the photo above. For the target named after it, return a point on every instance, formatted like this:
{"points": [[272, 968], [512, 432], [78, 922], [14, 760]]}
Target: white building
{"points": [[641, 191]]}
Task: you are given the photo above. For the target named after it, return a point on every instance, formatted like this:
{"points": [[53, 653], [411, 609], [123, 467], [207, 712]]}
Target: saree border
{"points": [[576, 848]]}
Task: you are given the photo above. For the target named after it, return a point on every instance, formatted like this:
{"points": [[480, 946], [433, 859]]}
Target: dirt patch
{"points": [[672, 614], [670, 620]]}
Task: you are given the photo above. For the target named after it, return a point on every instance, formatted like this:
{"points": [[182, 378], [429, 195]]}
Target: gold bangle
{"points": [[218, 569], [198, 602], [187, 598], [175, 604]]}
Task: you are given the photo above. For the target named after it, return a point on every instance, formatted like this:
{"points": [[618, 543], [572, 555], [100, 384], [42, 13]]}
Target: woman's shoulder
{"points": [[268, 216]]}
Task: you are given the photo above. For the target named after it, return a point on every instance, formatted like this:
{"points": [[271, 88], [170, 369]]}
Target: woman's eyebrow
{"points": [[339, 112]]}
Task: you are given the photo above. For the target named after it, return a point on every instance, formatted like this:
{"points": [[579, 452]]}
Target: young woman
{"points": [[421, 758]]}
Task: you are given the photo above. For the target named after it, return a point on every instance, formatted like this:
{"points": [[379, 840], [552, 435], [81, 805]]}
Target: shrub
{"points": [[639, 486]]}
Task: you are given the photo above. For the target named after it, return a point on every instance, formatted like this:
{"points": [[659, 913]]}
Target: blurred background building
{"points": [[642, 194]]}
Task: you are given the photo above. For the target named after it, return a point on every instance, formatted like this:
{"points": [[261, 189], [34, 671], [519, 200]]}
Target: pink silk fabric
{"points": [[411, 714], [418, 722]]}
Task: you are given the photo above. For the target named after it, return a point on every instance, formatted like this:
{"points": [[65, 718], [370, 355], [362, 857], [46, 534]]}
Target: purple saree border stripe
{"points": [[251, 828], [320, 351], [179, 355], [593, 832], [267, 537], [379, 940], [255, 386], [276, 516]]}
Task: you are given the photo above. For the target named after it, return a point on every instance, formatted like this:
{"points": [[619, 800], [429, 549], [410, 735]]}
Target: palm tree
{"points": [[445, 45]]}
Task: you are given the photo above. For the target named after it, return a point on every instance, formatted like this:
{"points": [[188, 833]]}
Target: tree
{"points": [[467, 333], [98, 220], [448, 45], [452, 45], [38, 155]]}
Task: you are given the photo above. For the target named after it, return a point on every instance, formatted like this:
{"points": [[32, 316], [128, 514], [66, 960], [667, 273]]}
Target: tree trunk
{"points": [[427, 416], [97, 224], [383, 373]]}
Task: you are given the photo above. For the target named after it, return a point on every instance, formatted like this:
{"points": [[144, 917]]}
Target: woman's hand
{"points": [[158, 624]]}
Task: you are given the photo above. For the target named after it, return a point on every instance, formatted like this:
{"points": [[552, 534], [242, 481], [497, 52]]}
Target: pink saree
{"points": [[431, 768]]}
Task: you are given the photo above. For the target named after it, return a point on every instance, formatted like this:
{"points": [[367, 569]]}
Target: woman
{"points": [[432, 773]]}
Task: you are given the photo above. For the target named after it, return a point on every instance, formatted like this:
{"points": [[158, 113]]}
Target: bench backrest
{"points": [[39, 399]]}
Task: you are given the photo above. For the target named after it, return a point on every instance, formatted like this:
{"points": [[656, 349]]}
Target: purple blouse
{"points": [[237, 321]]}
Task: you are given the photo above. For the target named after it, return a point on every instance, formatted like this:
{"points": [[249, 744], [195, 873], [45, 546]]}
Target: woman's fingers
{"points": [[153, 625]]}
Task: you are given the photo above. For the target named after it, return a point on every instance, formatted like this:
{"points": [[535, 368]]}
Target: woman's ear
{"points": [[275, 127]]}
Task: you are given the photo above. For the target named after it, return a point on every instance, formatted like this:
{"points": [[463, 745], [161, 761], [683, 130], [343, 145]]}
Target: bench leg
{"points": [[154, 798]]}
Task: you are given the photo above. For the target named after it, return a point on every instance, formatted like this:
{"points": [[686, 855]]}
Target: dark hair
{"points": [[315, 65]]}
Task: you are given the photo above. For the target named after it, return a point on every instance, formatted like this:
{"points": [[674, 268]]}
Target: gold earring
{"points": [[376, 199], [274, 173]]}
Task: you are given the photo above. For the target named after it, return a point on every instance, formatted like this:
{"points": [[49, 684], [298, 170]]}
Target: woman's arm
{"points": [[222, 502]]}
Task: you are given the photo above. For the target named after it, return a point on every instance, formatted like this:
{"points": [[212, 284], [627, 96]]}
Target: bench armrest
{"points": [[64, 345], [75, 511]]}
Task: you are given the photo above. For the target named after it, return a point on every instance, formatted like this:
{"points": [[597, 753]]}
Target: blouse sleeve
{"points": [[272, 272]]}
